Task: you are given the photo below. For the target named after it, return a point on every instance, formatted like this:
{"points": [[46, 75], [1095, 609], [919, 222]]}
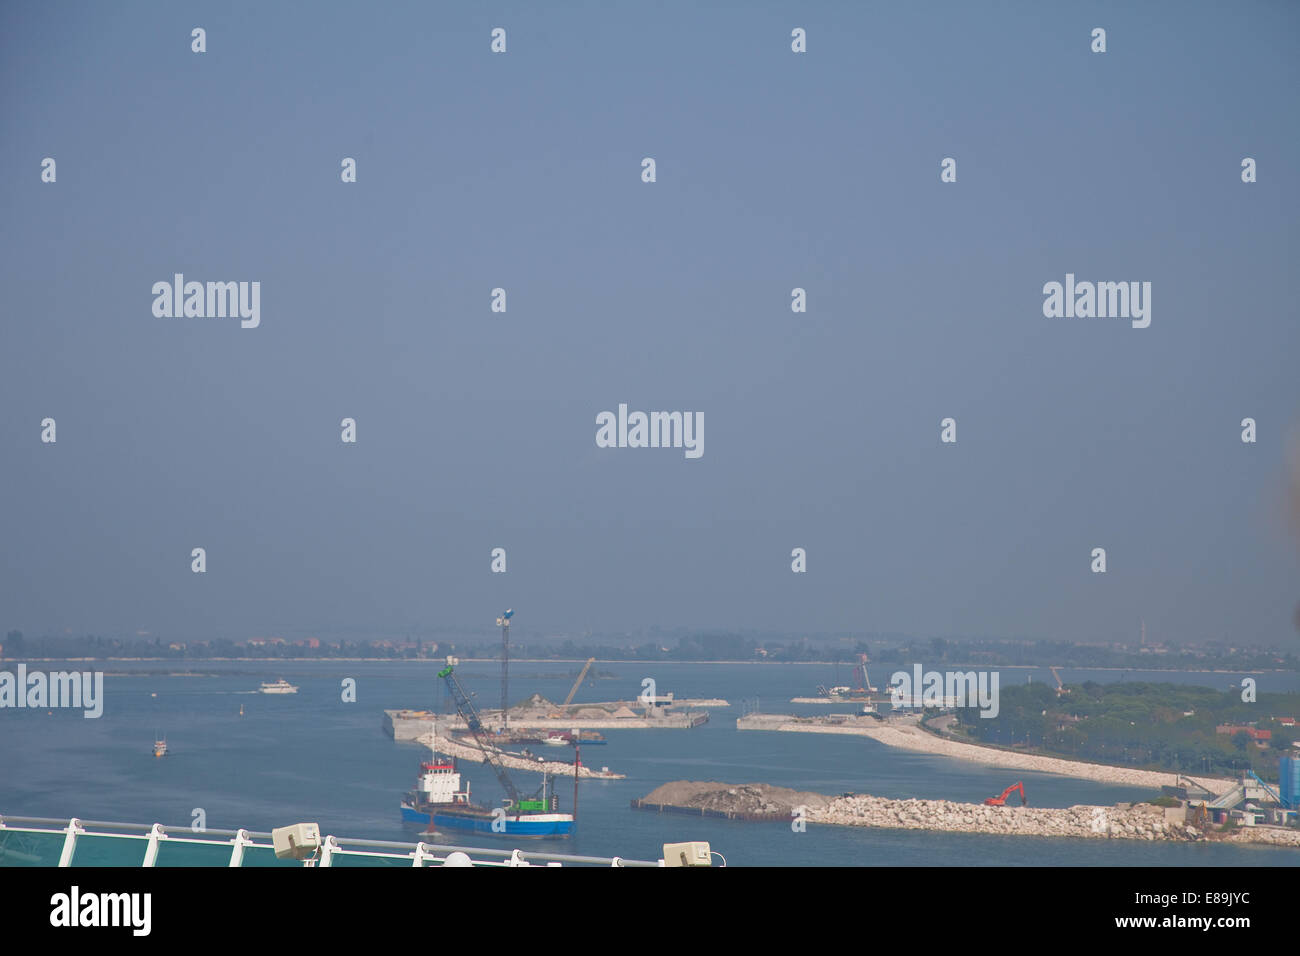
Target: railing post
{"points": [[151, 851], [70, 843], [328, 847], [516, 859], [421, 854], [240, 841]]}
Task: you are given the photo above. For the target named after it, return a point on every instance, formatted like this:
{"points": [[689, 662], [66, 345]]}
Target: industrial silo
{"points": [[1289, 773]]}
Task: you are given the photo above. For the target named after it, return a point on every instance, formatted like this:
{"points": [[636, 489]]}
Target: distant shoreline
{"points": [[438, 662]]}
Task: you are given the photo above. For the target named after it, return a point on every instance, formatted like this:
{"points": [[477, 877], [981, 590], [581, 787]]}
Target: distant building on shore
{"points": [[1260, 737]]}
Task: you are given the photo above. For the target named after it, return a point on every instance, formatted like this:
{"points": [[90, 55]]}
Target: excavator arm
{"points": [[1001, 799]]}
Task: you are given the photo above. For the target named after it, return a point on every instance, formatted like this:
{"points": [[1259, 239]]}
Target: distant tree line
{"points": [[1145, 725], [717, 646]]}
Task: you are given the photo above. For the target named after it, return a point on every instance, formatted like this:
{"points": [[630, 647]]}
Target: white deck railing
{"points": [[156, 835]]}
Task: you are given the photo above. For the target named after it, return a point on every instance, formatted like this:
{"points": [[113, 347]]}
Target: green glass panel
{"points": [[30, 849], [93, 850], [193, 854]]}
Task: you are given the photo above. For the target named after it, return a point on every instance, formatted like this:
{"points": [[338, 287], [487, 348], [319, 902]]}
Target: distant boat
{"points": [[556, 741], [241, 710], [278, 687], [160, 747]]}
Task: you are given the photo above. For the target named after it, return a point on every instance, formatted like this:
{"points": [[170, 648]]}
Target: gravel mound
{"points": [[735, 797]]}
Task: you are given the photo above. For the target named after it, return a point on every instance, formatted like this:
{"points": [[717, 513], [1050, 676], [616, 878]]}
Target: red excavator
{"points": [[1001, 801]]}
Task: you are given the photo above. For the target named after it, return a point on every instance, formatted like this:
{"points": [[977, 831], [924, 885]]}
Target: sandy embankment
{"points": [[909, 736], [915, 738]]}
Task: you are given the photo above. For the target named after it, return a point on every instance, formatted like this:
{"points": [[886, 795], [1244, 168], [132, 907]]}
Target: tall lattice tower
{"points": [[504, 623]]}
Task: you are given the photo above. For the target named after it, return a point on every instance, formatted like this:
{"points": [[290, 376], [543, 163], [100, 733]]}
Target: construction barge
{"points": [[864, 693]]}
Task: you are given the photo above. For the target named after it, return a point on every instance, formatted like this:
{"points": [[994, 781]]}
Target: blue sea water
{"points": [[313, 756]]}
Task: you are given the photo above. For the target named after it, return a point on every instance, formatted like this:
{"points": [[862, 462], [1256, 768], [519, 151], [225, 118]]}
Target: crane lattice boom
{"points": [[578, 683], [465, 707]]}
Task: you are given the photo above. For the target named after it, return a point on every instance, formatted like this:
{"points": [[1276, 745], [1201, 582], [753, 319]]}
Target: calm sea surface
{"points": [[310, 756]]}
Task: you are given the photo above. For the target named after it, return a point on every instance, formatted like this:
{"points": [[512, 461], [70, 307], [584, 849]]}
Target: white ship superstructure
{"points": [[278, 687]]}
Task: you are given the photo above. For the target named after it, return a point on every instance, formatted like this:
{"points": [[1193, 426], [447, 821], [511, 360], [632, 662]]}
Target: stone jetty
{"points": [[471, 752], [1137, 821], [1140, 821]]}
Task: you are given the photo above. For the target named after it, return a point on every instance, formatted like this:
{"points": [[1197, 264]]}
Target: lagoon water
{"points": [[311, 756]]}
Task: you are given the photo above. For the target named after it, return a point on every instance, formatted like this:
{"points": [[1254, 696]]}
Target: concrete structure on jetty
{"points": [[538, 713]]}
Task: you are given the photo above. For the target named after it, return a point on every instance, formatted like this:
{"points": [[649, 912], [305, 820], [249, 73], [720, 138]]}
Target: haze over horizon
{"points": [[477, 430]]}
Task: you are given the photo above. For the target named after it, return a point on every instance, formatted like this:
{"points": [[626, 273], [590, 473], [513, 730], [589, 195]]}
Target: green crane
{"points": [[468, 713]]}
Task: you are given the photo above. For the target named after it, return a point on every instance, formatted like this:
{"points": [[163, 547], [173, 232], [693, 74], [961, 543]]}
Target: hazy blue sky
{"points": [[775, 170]]}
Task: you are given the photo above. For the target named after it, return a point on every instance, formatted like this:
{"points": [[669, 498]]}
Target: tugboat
{"points": [[437, 785], [160, 747]]}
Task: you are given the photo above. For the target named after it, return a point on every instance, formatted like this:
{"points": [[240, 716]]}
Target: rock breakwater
{"points": [[1139, 821]]}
